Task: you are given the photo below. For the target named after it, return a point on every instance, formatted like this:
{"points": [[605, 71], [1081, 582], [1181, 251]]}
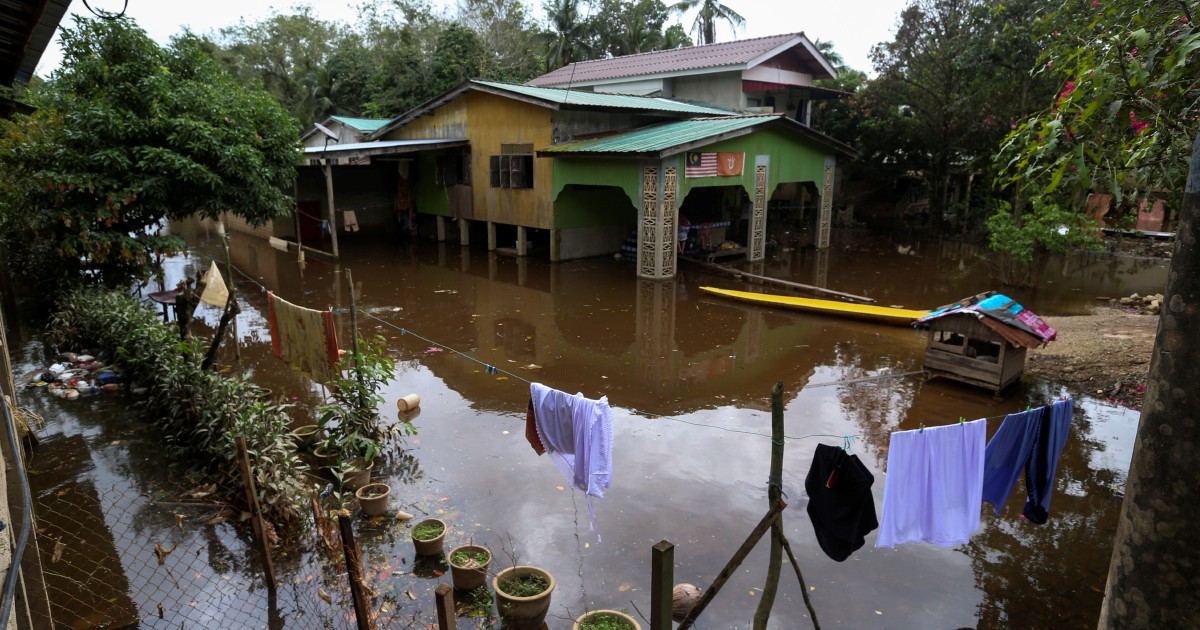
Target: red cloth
{"points": [[531, 433]]}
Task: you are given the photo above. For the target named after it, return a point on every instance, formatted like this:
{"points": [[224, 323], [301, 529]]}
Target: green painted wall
{"points": [[623, 173], [582, 207], [792, 160], [429, 197]]}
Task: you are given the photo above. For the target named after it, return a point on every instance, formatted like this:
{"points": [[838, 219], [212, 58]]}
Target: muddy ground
{"points": [[1106, 354]]}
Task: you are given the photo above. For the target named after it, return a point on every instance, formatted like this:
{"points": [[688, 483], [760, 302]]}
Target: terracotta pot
{"points": [[306, 436], [433, 546], [377, 504], [586, 617], [358, 476], [324, 457], [469, 579], [522, 613]]}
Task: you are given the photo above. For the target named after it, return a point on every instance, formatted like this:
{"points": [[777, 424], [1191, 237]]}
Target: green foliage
{"points": [[128, 134], [1126, 110], [571, 36], [708, 13], [605, 622], [198, 411], [525, 585], [428, 530], [470, 559], [1045, 227]]}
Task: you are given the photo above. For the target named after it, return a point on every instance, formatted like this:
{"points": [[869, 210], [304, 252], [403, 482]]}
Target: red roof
{"points": [[664, 61]]}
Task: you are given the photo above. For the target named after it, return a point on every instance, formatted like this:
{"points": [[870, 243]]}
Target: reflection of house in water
{"points": [[718, 133]]}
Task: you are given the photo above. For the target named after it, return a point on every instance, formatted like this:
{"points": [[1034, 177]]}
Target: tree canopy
{"points": [[129, 133]]}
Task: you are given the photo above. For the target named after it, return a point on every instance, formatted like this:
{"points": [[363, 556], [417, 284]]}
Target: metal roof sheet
{"points": [[662, 137], [662, 61], [382, 147], [362, 124], [613, 101]]}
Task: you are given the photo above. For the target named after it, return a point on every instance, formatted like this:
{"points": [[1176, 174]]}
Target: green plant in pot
{"points": [[373, 498], [428, 536], [606, 620], [469, 566], [523, 596]]}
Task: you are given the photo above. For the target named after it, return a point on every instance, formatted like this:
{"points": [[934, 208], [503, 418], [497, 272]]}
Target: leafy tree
{"points": [[458, 57], [571, 35], [1126, 106], [676, 37], [128, 134], [627, 27], [507, 33], [709, 13]]}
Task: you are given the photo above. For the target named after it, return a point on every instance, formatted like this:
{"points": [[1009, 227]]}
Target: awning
{"points": [[347, 153]]}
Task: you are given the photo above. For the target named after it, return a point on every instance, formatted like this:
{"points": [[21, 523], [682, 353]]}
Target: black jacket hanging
{"points": [[840, 502]]}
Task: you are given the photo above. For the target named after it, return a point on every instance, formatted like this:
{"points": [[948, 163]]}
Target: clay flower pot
{"points": [[373, 498], [469, 575], [306, 436], [429, 546], [324, 456], [517, 612], [358, 475], [582, 623]]}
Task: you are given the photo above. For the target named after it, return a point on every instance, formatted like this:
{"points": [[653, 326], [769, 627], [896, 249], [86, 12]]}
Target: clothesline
{"points": [[492, 369]]}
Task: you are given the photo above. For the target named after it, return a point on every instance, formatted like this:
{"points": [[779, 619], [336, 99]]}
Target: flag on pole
{"points": [[215, 292]]}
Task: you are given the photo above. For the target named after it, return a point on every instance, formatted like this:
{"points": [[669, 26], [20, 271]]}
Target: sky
{"points": [[854, 26]]}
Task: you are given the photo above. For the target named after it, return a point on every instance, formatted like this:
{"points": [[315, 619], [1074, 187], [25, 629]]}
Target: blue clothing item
{"points": [[933, 485], [1031, 441]]}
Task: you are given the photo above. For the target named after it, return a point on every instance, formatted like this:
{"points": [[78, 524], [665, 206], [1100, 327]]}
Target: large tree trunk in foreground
{"points": [[1154, 576]]}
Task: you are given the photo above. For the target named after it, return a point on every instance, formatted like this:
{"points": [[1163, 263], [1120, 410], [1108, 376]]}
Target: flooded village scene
{"points": [[599, 314]]}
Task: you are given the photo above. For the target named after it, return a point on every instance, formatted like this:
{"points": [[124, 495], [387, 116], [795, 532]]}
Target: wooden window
{"points": [[513, 168]]}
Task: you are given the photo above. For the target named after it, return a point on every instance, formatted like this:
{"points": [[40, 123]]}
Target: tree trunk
{"points": [[1154, 575]]}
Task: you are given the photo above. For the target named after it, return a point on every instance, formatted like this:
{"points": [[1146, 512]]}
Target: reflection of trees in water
{"points": [[402, 466], [876, 407], [1050, 575]]}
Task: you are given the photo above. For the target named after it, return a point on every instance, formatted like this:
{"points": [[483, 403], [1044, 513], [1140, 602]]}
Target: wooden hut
{"points": [[982, 340]]}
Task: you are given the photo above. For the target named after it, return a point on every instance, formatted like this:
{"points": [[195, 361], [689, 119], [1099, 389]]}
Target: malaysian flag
{"points": [[700, 165]]}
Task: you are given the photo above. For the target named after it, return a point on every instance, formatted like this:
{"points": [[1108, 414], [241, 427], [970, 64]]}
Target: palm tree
{"points": [[570, 35], [705, 25], [639, 35], [834, 58]]}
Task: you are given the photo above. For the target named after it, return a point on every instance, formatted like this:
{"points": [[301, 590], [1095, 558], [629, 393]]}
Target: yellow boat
{"points": [[881, 314]]}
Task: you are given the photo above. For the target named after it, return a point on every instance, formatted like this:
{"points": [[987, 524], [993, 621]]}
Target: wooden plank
{"points": [[774, 494], [732, 565], [662, 579], [358, 594], [786, 283], [260, 535], [444, 595]]}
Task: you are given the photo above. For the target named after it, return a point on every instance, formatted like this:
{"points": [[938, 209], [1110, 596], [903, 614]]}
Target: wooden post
{"points": [[332, 217], [662, 580], [362, 402], [260, 534], [362, 607], [444, 594], [774, 494], [237, 348], [732, 565], [800, 576]]}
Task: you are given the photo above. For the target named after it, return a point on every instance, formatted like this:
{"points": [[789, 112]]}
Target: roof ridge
{"points": [[559, 89], [665, 50]]}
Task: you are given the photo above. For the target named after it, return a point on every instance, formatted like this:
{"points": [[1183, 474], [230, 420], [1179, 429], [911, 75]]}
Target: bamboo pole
{"points": [[732, 565], [662, 578], [237, 348], [332, 217], [786, 283], [260, 534], [362, 401], [800, 576], [774, 494], [362, 606]]}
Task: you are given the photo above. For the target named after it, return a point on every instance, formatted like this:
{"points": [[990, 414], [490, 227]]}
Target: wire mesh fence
{"points": [[115, 556]]}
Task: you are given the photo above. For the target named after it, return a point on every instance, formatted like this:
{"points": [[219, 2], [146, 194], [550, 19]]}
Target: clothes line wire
{"points": [[846, 438]]}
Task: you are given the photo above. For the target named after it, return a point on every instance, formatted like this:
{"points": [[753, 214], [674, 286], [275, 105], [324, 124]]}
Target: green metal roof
{"points": [[597, 99], [658, 138], [362, 124]]}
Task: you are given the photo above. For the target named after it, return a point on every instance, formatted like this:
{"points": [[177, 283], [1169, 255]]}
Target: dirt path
{"points": [[1106, 354]]}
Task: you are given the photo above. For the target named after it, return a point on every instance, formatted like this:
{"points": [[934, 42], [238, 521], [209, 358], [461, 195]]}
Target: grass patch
{"points": [[605, 622], [428, 531], [525, 586], [468, 559]]}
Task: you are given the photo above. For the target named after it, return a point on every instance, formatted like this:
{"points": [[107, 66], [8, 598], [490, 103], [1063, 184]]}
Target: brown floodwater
{"points": [[689, 378]]}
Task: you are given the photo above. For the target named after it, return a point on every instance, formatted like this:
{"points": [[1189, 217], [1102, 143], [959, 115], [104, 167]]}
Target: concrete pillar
{"points": [[657, 219], [464, 232], [758, 210], [522, 247], [441, 229], [555, 244], [522, 271], [825, 220], [491, 236], [821, 269]]}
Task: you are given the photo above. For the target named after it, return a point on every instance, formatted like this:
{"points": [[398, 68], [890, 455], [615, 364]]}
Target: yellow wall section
{"points": [[447, 121]]}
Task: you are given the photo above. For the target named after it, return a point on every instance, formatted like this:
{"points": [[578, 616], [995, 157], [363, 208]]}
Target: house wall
{"points": [[367, 190], [345, 135], [569, 124], [643, 87], [793, 159], [722, 90]]}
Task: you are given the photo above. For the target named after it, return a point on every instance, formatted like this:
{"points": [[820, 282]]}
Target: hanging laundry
{"points": [[304, 338], [577, 432], [531, 434], [349, 221], [215, 293], [840, 502], [1031, 441], [933, 485]]}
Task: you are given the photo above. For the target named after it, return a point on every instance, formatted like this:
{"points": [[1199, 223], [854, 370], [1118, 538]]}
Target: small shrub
{"points": [[605, 622], [525, 585], [469, 559], [428, 531]]}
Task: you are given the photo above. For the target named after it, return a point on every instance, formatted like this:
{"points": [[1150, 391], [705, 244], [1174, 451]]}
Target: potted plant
{"points": [[606, 620], [306, 436], [373, 498], [468, 566], [428, 536], [523, 596]]}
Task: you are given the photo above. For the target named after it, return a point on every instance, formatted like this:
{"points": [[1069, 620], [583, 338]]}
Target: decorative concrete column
{"points": [[758, 212], [464, 232], [657, 220], [825, 220], [655, 330], [669, 216]]}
